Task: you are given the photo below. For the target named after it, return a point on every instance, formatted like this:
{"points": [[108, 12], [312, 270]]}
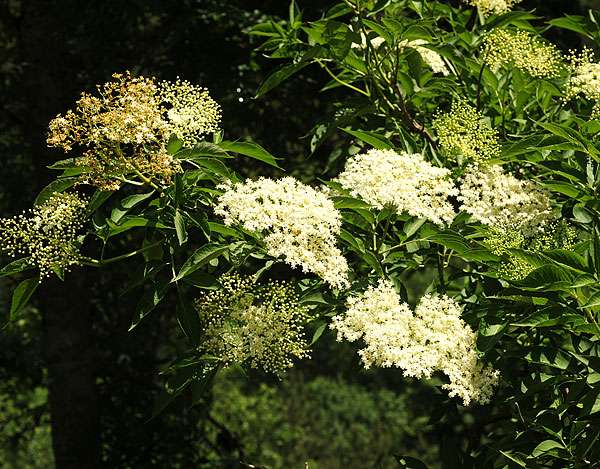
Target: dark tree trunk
{"points": [[69, 354]]}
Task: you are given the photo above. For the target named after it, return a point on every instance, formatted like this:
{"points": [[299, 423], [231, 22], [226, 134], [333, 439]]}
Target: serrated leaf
{"points": [[15, 267], [59, 185]]}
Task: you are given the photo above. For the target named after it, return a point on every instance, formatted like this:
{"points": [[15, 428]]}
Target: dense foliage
{"points": [[453, 235]]}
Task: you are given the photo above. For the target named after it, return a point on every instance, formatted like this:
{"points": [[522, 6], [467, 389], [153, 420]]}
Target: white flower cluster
{"points": [[585, 79], [502, 201], [497, 7], [300, 224], [404, 181], [430, 57], [432, 339]]}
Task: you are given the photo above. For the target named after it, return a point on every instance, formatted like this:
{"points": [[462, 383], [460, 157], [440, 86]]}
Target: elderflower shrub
{"points": [[584, 79], [493, 7], [125, 129], [299, 224], [502, 201], [522, 50], [404, 181], [261, 324], [434, 338], [464, 132], [47, 233]]}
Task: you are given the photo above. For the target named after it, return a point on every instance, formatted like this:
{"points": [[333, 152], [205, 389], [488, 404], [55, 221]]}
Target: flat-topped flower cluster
{"points": [[433, 338], [403, 181], [300, 224]]}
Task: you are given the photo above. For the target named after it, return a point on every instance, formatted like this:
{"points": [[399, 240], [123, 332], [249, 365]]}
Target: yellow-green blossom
{"points": [[47, 233], [522, 50], [585, 79], [258, 324], [463, 132]]}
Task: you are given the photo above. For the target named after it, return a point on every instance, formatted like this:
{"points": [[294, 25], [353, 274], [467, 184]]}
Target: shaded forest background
{"points": [[71, 357]]}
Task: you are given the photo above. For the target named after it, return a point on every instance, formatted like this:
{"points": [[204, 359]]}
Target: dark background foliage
{"points": [[327, 411]]}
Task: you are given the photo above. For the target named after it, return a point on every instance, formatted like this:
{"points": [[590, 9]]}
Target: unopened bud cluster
{"points": [[258, 324], [47, 233], [463, 133], [522, 50]]}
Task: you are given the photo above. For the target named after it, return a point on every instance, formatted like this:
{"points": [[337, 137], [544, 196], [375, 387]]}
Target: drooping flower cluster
{"points": [[125, 129], [259, 324], [404, 181], [434, 338], [191, 113], [585, 79], [47, 233], [299, 224], [522, 50], [500, 200], [496, 7], [463, 132]]}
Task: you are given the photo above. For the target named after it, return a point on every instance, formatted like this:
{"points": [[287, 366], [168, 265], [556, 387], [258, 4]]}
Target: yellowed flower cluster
{"points": [[585, 79], [523, 51], [299, 223], [463, 133], [493, 7], [47, 233], [191, 112], [124, 130], [434, 338], [404, 181], [259, 324], [500, 200]]}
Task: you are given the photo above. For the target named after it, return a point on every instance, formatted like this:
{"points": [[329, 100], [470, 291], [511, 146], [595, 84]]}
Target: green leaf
{"points": [[252, 150], [279, 76], [593, 301], [21, 295], [199, 258], [188, 317], [318, 333], [59, 185], [174, 145], [180, 227], [374, 139], [546, 446], [127, 204], [349, 202], [127, 223], [202, 149], [15, 267]]}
